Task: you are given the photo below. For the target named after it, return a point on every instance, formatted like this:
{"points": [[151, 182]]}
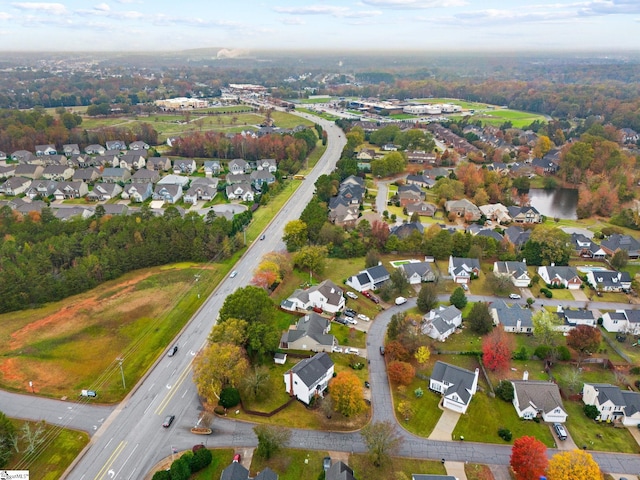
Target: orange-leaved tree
{"points": [[347, 394], [401, 372], [576, 464], [529, 458]]}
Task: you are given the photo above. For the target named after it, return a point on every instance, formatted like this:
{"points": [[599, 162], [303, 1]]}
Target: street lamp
{"points": [[120, 360]]}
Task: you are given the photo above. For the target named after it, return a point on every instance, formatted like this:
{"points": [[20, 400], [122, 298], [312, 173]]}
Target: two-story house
{"points": [[457, 385], [309, 378]]}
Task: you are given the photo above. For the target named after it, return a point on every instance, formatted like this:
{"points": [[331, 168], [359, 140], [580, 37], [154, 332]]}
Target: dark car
{"points": [[262, 237], [349, 312], [168, 420], [173, 351], [367, 384], [381, 349], [340, 320], [326, 463]]}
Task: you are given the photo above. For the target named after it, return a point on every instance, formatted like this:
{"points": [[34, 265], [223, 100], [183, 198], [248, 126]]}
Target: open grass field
{"points": [[60, 448], [73, 344], [453, 101], [498, 116]]}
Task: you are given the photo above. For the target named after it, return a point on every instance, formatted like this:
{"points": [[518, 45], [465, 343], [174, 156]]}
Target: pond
{"points": [[560, 202]]}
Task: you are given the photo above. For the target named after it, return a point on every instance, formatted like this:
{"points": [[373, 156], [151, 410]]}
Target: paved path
{"points": [[447, 422]]}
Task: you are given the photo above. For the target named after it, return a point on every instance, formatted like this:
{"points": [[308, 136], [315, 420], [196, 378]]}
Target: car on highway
{"points": [[515, 296], [363, 317], [352, 295], [262, 237], [173, 351], [233, 274], [168, 420]]}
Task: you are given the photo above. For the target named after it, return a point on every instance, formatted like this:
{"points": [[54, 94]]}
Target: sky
{"points": [[245, 25]]}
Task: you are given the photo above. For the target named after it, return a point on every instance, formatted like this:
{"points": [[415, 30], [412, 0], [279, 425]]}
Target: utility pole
{"points": [[120, 360]]}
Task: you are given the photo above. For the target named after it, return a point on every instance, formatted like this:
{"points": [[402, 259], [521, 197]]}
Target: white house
{"points": [[624, 321], [609, 280], [456, 385], [565, 276], [462, 269], [571, 318], [311, 332], [614, 405], [418, 272], [309, 377], [369, 279], [514, 271], [514, 318], [536, 398], [326, 295], [240, 191], [441, 322]]}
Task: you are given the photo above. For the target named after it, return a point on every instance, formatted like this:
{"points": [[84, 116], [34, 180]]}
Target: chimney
{"points": [[291, 383], [525, 375]]}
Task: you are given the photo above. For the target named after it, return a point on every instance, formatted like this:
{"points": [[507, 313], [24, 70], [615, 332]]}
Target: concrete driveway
{"points": [[444, 428]]}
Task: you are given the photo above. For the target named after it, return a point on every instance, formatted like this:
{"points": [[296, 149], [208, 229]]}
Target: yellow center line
{"points": [[111, 459], [174, 389]]}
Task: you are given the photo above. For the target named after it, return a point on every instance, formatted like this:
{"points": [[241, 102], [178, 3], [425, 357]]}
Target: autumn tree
{"points": [[401, 373], [547, 246], [312, 258], [496, 349], [271, 438], [266, 275], [218, 365], [382, 441], [295, 235], [233, 330], [405, 410], [619, 259], [543, 328], [576, 464], [347, 394], [529, 458], [394, 350], [427, 298], [479, 319], [584, 339], [422, 354]]}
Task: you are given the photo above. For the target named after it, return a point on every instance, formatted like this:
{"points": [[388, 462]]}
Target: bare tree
{"points": [[382, 441]]}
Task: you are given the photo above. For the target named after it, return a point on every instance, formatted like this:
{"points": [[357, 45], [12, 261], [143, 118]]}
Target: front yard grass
{"points": [[348, 335], [221, 458], [425, 409], [290, 464]]}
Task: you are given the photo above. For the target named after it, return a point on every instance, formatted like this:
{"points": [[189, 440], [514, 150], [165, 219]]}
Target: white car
{"points": [[400, 300], [515, 296], [363, 317], [351, 320], [336, 349], [352, 295], [233, 274], [353, 351]]}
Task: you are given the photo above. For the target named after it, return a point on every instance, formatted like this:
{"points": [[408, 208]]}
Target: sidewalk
{"points": [[456, 469]]}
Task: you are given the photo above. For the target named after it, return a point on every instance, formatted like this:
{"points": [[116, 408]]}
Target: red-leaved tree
{"points": [[401, 373], [584, 339], [529, 458], [496, 349]]}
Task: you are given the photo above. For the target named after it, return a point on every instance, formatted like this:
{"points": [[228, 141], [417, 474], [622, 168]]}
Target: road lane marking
{"points": [[163, 404], [112, 458], [125, 462]]}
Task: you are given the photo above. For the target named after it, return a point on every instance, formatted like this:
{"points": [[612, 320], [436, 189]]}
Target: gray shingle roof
{"points": [[459, 379], [310, 370], [509, 315], [235, 471], [544, 396]]}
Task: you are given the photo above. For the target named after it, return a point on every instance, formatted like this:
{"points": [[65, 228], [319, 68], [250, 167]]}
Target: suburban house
{"points": [[204, 189], [236, 471], [456, 385], [441, 322], [571, 318], [487, 232], [22, 156], [524, 214], [517, 235], [463, 269], [586, 248], [614, 405], [514, 271], [238, 165], [211, 168], [496, 212], [95, 149], [259, 177], [326, 295], [370, 279], [366, 154], [65, 214], [168, 193], [66, 190], [560, 276], [57, 172], [159, 164], [132, 161], [138, 192], [311, 332], [514, 318], [623, 321], [617, 242], [107, 161], [533, 399], [116, 145], [344, 215], [463, 208], [138, 145], [418, 272], [145, 176], [86, 175], [309, 377], [233, 178], [421, 181], [45, 150], [29, 170], [405, 230], [15, 186], [339, 471], [104, 191], [172, 179], [268, 164], [628, 135], [71, 149], [424, 209], [184, 165], [115, 175], [41, 188], [609, 280], [543, 166], [240, 191]]}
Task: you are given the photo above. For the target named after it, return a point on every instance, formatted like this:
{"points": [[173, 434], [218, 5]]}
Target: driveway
{"points": [[579, 295], [444, 428]]}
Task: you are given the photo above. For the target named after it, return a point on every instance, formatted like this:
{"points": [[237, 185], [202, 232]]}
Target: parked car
{"points": [[326, 463], [88, 393], [464, 287], [367, 384], [371, 296], [515, 296], [400, 300], [353, 351], [173, 351], [349, 312], [237, 458], [363, 317], [560, 431], [336, 349], [352, 295], [351, 320], [317, 309], [341, 320], [168, 420]]}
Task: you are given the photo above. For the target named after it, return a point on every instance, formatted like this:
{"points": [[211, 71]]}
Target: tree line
{"points": [[43, 259]]}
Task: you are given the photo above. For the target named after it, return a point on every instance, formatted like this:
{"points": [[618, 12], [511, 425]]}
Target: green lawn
{"points": [[291, 464], [349, 335], [497, 117], [62, 446], [425, 409], [627, 346], [222, 457], [364, 469]]}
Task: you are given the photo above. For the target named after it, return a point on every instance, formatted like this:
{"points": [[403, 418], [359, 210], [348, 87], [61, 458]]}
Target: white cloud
{"points": [[415, 4], [50, 8], [314, 10], [293, 21], [103, 7], [5, 16]]}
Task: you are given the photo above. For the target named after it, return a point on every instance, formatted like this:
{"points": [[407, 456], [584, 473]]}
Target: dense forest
{"points": [[43, 259]]}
